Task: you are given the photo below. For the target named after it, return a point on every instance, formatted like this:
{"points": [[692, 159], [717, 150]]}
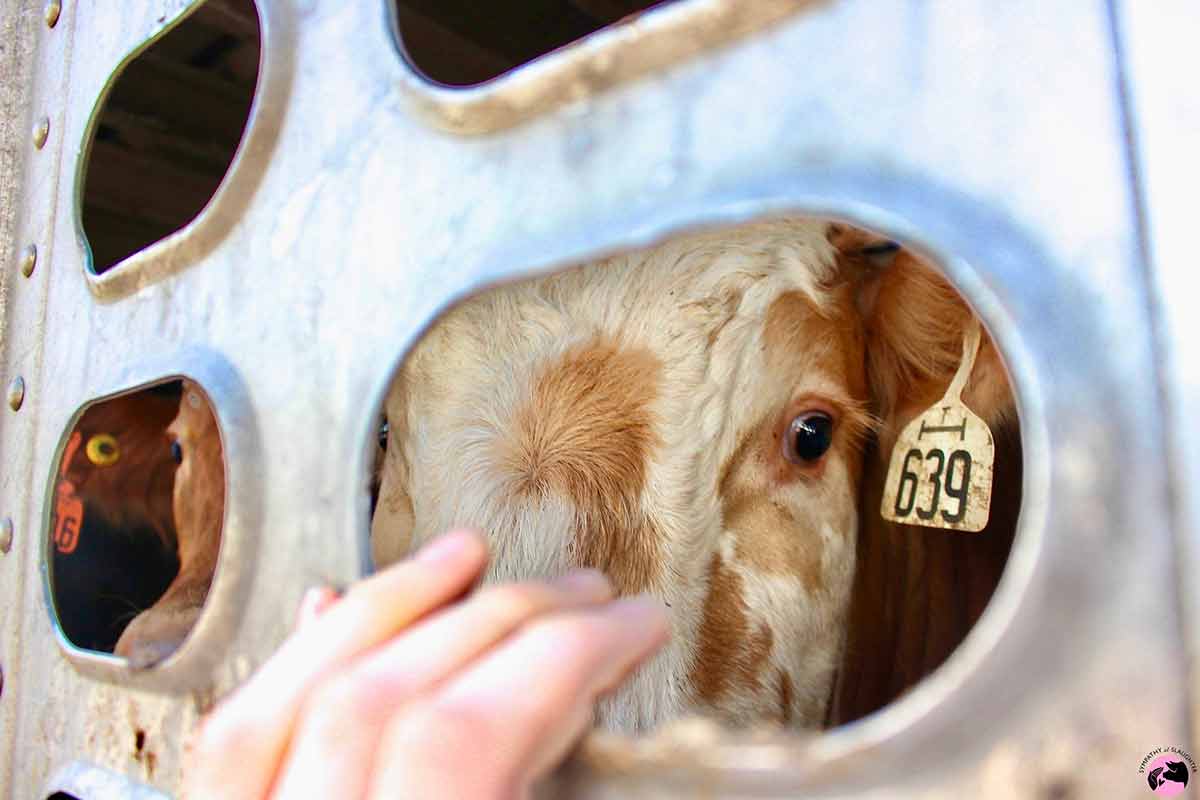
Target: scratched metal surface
{"points": [[360, 206]]}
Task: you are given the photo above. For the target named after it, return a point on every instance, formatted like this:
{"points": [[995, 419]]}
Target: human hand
{"points": [[403, 688]]}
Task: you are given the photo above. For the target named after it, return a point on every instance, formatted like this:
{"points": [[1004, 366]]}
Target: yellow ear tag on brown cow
{"points": [[941, 470]]}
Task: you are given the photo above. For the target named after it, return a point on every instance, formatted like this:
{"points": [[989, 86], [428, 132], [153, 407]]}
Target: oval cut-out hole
{"points": [[138, 507], [462, 43], [168, 130], [711, 421]]}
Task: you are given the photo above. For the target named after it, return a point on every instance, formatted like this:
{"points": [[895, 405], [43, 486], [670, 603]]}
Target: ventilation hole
{"points": [[138, 508], [168, 130], [461, 43], [728, 383], [62, 796]]}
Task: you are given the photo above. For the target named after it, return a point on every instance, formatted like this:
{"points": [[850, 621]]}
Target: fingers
{"points": [[507, 718], [345, 717], [252, 729], [314, 603]]}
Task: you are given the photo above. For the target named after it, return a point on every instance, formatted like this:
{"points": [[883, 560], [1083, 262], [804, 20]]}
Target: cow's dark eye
{"points": [[177, 451], [383, 434], [808, 437]]}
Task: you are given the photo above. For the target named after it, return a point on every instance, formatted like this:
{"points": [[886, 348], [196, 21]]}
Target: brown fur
{"points": [[753, 327], [727, 639], [587, 433], [915, 326], [799, 335], [798, 338], [763, 528], [786, 693], [199, 509], [918, 590], [135, 491], [776, 550]]}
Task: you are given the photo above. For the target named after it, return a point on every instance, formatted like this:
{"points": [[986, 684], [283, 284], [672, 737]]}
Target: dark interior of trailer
{"points": [[169, 129]]}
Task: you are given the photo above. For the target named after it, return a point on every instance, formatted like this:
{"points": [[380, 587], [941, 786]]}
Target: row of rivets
{"points": [[27, 262]]}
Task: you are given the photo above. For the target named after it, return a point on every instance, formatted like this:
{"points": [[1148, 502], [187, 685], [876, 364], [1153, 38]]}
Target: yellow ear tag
{"points": [[941, 470], [103, 450]]}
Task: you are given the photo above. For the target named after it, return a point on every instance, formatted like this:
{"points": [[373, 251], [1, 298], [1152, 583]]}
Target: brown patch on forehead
{"points": [[801, 337], [587, 434], [731, 655]]}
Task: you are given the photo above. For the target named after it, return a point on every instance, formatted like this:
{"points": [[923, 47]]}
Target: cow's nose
{"points": [[153, 636], [144, 655]]}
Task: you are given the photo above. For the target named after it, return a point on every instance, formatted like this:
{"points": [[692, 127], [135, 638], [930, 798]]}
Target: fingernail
{"points": [[590, 582], [315, 601], [446, 547]]}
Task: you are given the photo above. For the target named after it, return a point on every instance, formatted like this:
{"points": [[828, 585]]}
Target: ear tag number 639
{"points": [[940, 474]]}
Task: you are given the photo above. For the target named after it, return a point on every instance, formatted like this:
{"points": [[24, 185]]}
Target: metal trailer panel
{"points": [[363, 202], [1161, 61]]}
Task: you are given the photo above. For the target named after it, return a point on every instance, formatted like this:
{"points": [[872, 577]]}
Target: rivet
{"points": [[41, 133], [16, 393], [28, 260], [6, 535], [53, 9]]}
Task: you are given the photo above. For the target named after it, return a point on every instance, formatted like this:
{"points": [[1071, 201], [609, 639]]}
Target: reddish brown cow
{"points": [[121, 467], [199, 507]]}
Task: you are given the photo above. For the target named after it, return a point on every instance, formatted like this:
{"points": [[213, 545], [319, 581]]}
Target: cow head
{"points": [[690, 420], [122, 468]]}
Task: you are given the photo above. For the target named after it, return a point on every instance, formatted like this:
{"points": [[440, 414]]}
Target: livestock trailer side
{"points": [[1041, 153]]}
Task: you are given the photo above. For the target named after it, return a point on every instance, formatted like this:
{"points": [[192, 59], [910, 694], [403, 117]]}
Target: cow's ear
{"points": [[914, 323]]}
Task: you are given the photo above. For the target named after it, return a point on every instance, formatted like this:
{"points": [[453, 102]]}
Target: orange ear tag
{"points": [[68, 508], [941, 470], [68, 518]]}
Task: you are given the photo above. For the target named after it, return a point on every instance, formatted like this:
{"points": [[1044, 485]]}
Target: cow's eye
{"points": [[103, 450], [808, 437], [177, 451]]}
